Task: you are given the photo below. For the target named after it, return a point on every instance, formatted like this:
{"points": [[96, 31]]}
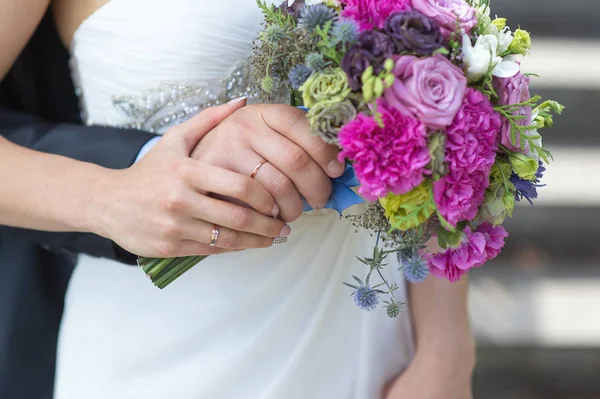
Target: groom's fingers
{"points": [[187, 135]]}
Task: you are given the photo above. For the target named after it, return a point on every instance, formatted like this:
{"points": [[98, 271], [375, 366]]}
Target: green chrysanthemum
{"points": [[325, 86]]}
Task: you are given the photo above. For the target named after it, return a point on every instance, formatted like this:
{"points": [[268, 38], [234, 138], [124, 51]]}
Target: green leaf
{"points": [[359, 280]]}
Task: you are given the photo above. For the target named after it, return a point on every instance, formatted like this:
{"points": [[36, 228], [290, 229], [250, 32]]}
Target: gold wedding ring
{"points": [[215, 236], [255, 171]]}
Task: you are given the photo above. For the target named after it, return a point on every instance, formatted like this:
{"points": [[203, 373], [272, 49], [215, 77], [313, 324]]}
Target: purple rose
{"points": [[430, 89], [414, 32], [514, 90], [447, 13], [372, 49]]}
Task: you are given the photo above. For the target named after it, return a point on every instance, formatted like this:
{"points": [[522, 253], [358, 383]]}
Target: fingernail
{"points": [[275, 211], [322, 205], [285, 231], [335, 167], [237, 100]]}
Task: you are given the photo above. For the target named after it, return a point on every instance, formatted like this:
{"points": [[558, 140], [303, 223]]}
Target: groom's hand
{"points": [[299, 164], [164, 205]]}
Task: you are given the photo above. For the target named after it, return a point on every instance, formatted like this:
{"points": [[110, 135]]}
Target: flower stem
{"points": [[163, 272]]}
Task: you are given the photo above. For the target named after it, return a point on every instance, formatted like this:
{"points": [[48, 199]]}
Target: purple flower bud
{"points": [[373, 49], [378, 44], [294, 10], [354, 63], [414, 32]]}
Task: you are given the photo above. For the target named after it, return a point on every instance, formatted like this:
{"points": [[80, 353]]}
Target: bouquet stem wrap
{"points": [[163, 272]]}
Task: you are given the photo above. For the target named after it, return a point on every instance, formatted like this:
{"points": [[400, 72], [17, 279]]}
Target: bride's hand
{"points": [[437, 374], [160, 206], [299, 164]]}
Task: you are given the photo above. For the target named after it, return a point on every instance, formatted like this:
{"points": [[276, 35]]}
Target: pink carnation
{"points": [[472, 142], [476, 249], [372, 14], [454, 262], [494, 239], [447, 13], [388, 159]]}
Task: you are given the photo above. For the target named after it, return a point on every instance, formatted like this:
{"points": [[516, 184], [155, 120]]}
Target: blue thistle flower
{"points": [[526, 188], [298, 75], [316, 16], [393, 310], [404, 255], [415, 270], [316, 62], [366, 298], [345, 32]]}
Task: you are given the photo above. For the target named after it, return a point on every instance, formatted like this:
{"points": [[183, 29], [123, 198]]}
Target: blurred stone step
{"points": [[537, 373], [576, 18], [536, 305], [552, 236], [579, 125]]}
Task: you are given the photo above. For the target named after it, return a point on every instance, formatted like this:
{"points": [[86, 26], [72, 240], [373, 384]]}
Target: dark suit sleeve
{"points": [[109, 147]]}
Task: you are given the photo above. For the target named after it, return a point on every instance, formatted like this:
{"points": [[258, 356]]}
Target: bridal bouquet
{"points": [[426, 100]]}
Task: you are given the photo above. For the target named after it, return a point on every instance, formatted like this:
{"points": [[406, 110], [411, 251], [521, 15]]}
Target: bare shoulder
{"points": [[18, 21], [69, 14]]}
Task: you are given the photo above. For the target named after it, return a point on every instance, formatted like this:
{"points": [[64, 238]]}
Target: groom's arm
{"points": [[107, 147]]}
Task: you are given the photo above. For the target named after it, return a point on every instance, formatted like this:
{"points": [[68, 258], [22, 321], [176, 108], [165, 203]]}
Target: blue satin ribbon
{"points": [[342, 195]]}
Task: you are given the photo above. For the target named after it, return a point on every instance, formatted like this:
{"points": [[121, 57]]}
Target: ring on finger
{"points": [[257, 167], [214, 236]]}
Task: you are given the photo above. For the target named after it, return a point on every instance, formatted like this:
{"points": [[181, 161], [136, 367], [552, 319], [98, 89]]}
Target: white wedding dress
{"points": [[271, 324]]}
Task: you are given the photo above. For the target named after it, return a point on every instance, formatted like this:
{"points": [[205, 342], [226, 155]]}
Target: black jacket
{"points": [[38, 110]]}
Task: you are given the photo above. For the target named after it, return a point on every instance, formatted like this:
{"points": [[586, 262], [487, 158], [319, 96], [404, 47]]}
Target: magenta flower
{"points": [[454, 262], [475, 250], [514, 90], [494, 239], [447, 13], [388, 159], [372, 14], [430, 89], [472, 142]]}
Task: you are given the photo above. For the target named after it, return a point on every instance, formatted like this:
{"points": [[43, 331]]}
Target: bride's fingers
{"points": [[296, 163], [195, 248], [234, 185], [280, 186], [227, 239], [292, 123], [237, 217]]}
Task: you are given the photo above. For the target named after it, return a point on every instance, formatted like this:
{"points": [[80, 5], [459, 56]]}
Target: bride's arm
{"points": [[445, 349], [18, 21]]}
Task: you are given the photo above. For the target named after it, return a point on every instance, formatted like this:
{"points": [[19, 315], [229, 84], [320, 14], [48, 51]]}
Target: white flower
{"points": [[482, 14], [505, 38], [483, 57]]}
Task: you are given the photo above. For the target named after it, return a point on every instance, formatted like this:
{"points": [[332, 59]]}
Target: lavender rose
{"points": [[514, 90], [447, 13], [430, 89], [372, 49], [414, 32]]}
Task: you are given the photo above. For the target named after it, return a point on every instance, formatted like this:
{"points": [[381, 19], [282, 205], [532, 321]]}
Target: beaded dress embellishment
{"points": [[175, 102]]}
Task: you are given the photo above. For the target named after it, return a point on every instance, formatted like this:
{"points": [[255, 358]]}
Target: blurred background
{"points": [[536, 309]]}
